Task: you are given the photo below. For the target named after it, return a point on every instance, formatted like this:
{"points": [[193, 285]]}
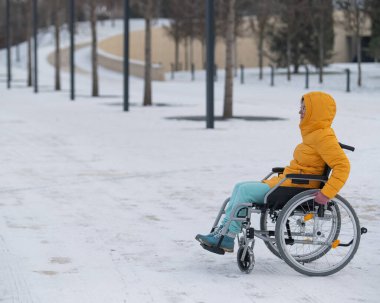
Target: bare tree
{"points": [[373, 9], [57, 28], [148, 8], [94, 42], [290, 34], [230, 39], [174, 31], [321, 18], [27, 9], [354, 11], [263, 10]]}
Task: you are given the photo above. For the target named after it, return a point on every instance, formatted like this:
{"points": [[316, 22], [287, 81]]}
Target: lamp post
{"points": [[8, 39], [72, 46], [35, 45], [126, 55], [210, 64]]}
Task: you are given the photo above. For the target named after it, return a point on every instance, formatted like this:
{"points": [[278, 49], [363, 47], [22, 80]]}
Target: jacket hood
{"points": [[320, 112]]}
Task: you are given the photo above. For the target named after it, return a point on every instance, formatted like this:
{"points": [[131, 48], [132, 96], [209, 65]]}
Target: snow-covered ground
{"points": [[99, 205]]}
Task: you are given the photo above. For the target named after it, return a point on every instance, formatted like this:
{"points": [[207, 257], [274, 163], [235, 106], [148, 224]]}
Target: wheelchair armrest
{"points": [[344, 146], [278, 170], [306, 177]]}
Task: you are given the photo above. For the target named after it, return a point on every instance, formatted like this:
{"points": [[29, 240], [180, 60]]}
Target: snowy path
{"points": [[97, 205]]}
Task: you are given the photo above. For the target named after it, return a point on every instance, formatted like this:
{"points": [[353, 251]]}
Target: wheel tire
{"points": [[264, 226], [284, 214], [247, 265]]}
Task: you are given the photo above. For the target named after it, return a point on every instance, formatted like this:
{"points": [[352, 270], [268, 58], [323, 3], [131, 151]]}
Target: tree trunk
{"points": [[321, 57], [261, 53], [296, 60], [29, 63], [358, 43], [321, 47], [186, 53], [28, 14], [94, 57], [228, 84], [148, 59], [57, 45], [113, 11], [359, 50], [176, 65], [288, 55], [235, 56], [191, 50], [18, 27], [203, 54]]}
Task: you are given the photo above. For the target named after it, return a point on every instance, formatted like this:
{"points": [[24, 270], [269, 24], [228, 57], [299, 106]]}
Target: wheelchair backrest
{"points": [[327, 170]]}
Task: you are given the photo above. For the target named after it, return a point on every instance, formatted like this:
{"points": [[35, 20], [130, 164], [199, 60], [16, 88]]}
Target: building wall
{"points": [[163, 47]]}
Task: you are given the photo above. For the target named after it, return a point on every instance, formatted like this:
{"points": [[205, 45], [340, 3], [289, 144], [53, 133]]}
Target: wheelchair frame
{"points": [[245, 256]]}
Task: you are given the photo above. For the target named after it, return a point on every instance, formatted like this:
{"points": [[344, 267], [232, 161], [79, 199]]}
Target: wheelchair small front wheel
{"points": [[317, 245], [247, 263]]}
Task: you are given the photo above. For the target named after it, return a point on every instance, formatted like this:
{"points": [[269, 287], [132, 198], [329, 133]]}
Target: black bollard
{"points": [[307, 77], [242, 74], [216, 73], [192, 72], [271, 75], [348, 80]]}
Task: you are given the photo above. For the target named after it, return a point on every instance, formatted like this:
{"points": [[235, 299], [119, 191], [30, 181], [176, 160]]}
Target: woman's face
{"points": [[302, 110]]}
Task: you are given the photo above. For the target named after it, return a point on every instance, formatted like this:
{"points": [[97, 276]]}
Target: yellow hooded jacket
{"points": [[319, 147]]}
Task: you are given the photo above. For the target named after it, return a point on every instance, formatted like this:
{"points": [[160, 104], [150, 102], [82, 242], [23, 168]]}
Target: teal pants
{"points": [[251, 192]]}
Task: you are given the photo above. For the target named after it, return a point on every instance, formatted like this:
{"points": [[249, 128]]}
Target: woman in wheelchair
{"points": [[319, 147]]}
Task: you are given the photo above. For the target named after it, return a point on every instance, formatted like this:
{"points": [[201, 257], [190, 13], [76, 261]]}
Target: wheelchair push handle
{"points": [[344, 146], [306, 177]]}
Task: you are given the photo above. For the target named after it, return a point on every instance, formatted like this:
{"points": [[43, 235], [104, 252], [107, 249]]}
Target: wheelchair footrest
{"points": [[215, 250]]}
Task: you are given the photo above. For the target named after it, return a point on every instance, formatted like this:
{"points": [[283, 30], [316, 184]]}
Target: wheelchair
{"points": [[313, 239]]}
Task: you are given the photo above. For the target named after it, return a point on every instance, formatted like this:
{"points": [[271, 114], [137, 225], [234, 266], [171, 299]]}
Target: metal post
{"points": [[271, 75], [210, 64], [307, 77], [348, 72], [8, 33], [216, 73], [35, 44], [72, 46], [242, 74], [126, 55], [192, 72]]}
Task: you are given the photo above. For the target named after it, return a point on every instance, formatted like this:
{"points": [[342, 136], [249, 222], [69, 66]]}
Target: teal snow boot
{"points": [[213, 239]]}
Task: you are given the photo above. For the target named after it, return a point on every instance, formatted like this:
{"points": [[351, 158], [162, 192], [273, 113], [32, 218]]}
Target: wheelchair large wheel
{"points": [[317, 245], [266, 223]]}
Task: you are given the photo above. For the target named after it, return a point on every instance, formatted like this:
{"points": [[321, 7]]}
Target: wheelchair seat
{"points": [[278, 198]]}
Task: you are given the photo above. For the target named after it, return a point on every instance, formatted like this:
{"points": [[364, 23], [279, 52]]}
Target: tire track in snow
{"points": [[16, 289], [119, 261]]}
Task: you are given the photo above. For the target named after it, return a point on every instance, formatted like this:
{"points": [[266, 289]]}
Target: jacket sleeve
{"points": [[329, 149]]}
